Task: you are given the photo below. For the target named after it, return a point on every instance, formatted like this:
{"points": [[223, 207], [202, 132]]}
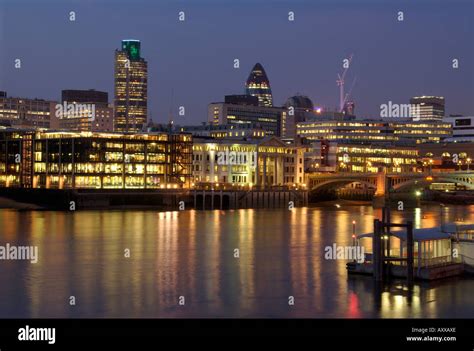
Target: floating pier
{"points": [[425, 254]]}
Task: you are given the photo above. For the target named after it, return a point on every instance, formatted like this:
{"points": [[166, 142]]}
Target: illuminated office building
{"points": [[131, 88], [83, 110], [364, 131], [324, 156], [25, 113], [258, 85], [81, 160], [268, 118], [244, 131], [428, 107], [370, 158]]}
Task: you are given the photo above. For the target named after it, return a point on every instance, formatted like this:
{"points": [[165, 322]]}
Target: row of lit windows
{"points": [[116, 168]]}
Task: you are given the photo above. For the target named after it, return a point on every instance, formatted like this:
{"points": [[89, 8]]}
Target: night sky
{"points": [[191, 63]]}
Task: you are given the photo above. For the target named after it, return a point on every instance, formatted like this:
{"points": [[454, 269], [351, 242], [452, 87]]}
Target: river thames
{"points": [[190, 257]]}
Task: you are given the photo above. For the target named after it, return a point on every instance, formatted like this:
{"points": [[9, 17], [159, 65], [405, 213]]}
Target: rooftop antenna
{"points": [[340, 82]]}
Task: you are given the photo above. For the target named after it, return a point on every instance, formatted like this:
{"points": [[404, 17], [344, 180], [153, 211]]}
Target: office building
{"points": [[83, 110], [25, 113], [366, 131], [427, 107], [258, 85], [91, 96], [80, 160], [229, 131], [463, 128], [371, 157], [299, 109], [241, 100], [267, 118], [131, 88]]}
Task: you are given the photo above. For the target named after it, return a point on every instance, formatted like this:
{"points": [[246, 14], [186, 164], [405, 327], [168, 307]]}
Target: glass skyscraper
{"points": [[258, 85], [131, 88]]}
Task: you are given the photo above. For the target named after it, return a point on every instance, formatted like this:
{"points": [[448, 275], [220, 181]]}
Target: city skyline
{"points": [[175, 73], [296, 160]]}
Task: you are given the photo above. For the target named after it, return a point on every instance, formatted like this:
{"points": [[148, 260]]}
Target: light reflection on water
{"points": [[192, 254]]}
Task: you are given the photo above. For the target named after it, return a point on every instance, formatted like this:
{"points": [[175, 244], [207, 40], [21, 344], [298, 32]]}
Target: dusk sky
{"points": [[191, 63]]}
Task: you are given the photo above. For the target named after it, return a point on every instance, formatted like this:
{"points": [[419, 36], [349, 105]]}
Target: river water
{"points": [[185, 264]]}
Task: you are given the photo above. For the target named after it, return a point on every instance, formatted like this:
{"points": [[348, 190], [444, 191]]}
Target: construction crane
{"points": [[340, 83]]}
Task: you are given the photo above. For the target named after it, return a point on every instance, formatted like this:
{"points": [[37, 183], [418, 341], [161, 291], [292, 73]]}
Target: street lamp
{"points": [[468, 161]]}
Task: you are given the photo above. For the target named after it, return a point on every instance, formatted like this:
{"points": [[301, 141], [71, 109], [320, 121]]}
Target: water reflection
{"points": [[192, 254]]}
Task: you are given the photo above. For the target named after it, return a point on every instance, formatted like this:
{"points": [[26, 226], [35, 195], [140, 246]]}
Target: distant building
{"points": [[25, 113], [230, 131], [300, 108], [267, 118], [428, 107], [325, 114], [241, 100], [463, 128], [371, 157], [366, 131], [258, 85], [91, 96], [83, 110], [131, 88]]}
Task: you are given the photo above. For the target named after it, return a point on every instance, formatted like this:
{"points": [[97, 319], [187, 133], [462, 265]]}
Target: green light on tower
{"points": [[132, 47]]}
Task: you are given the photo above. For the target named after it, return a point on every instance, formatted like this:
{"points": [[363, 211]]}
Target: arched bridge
{"points": [[382, 182]]}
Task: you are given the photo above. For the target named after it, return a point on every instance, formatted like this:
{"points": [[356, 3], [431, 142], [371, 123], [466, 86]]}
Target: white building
{"points": [[463, 128], [262, 162]]}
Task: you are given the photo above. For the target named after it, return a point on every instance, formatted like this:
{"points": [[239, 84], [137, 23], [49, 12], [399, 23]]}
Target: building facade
{"points": [[80, 160], [299, 109], [463, 128], [267, 118], [131, 88], [244, 131], [428, 107], [364, 131], [370, 158], [91, 96], [83, 110], [25, 113], [259, 163]]}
